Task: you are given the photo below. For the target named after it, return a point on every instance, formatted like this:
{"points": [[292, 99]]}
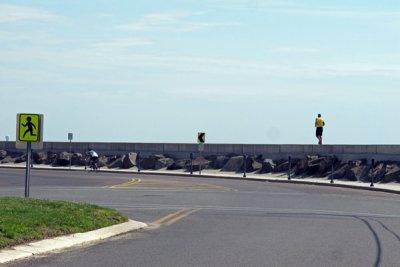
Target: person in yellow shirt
{"points": [[319, 125]]}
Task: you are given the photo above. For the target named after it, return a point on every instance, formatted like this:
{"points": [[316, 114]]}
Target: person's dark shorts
{"points": [[319, 131]]}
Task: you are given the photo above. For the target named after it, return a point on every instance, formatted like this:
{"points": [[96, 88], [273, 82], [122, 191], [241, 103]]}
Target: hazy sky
{"points": [[243, 71]]}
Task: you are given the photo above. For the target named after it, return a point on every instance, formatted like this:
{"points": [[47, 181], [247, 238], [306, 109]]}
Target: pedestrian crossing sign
{"points": [[29, 127]]}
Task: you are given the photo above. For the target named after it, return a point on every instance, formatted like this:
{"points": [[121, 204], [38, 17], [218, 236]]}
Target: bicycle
{"points": [[92, 163]]}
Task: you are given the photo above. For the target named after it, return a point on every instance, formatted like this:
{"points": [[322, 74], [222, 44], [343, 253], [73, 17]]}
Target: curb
{"points": [[67, 241], [271, 180]]}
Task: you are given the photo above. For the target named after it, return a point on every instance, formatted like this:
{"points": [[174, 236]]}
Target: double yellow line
{"points": [[129, 183], [174, 217]]}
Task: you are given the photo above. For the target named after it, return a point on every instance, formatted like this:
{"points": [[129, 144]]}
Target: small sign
{"points": [[201, 138], [70, 136], [29, 129]]}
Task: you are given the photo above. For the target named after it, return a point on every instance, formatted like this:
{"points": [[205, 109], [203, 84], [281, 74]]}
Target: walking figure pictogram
{"points": [[30, 126]]}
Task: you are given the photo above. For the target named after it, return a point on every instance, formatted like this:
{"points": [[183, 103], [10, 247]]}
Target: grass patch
{"points": [[23, 220]]}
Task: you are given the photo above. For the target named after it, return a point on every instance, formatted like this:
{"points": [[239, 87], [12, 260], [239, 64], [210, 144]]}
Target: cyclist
{"points": [[93, 158]]}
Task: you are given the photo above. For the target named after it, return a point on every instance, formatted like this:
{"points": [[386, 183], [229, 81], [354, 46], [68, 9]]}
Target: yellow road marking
{"points": [[126, 184], [154, 183], [174, 217]]}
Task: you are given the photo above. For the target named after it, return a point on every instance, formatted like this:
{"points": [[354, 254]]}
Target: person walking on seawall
{"points": [[319, 125]]}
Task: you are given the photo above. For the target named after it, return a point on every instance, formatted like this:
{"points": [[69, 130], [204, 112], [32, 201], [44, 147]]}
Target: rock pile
{"points": [[310, 166]]}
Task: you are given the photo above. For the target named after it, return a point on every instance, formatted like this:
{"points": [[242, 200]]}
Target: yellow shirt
{"points": [[319, 122]]}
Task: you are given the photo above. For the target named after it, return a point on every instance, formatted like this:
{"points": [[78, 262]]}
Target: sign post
{"points": [[70, 137], [201, 139], [29, 135], [28, 168]]}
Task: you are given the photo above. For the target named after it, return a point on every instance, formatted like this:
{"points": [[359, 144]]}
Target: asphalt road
{"points": [[217, 222]]}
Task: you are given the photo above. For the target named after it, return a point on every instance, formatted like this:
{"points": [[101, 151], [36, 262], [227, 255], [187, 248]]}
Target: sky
{"points": [[243, 71]]}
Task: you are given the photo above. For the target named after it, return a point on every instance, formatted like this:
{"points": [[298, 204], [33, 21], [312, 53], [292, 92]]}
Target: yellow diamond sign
{"points": [[29, 127]]}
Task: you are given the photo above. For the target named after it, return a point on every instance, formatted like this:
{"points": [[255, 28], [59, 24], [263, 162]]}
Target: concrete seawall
{"points": [[181, 150]]}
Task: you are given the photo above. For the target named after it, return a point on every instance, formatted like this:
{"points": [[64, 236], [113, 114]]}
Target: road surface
{"points": [[219, 222]]}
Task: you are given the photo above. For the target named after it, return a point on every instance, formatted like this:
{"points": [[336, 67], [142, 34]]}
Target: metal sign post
{"points": [[201, 139], [201, 148], [28, 168], [333, 169], [70, 137]]}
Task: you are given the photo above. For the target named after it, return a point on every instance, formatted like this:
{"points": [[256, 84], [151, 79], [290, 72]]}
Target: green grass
{"points": [[23, 220]]}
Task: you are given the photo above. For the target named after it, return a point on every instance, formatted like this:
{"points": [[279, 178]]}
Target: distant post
{"points": [[191, 163], [333, 169], [372, 176], [70, 138], [138, 161], [244, 165]]}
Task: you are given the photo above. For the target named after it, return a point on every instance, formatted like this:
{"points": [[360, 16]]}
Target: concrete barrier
{"points": [[182, 150]]}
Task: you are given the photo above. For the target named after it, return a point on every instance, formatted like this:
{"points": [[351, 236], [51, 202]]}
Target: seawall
{"points": [[182, 150]]}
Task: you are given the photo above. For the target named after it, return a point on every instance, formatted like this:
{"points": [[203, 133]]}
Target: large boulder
{"points": [[149, 163], [111, 158], [179, 164], [129, 160], [7, 159], [77, 159], [51, 158], [115, 163], [377, 173], [103, 161], [217, 162], [62, 159], [163, 163], [358, 173], [234, 164], [20, 159], [197, 162], [301, 166], [230, 155], [278, 162], [39, 157], [256, 163], [267, 166], [14, 153], [283, 167], [325, 166], [320, 166], [340, 172], [392, 173], [312, 169], [3, 154]]}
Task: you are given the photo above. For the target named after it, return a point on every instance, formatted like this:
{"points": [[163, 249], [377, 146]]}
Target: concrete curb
{"points": [[68, 241], [261, 179]]}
